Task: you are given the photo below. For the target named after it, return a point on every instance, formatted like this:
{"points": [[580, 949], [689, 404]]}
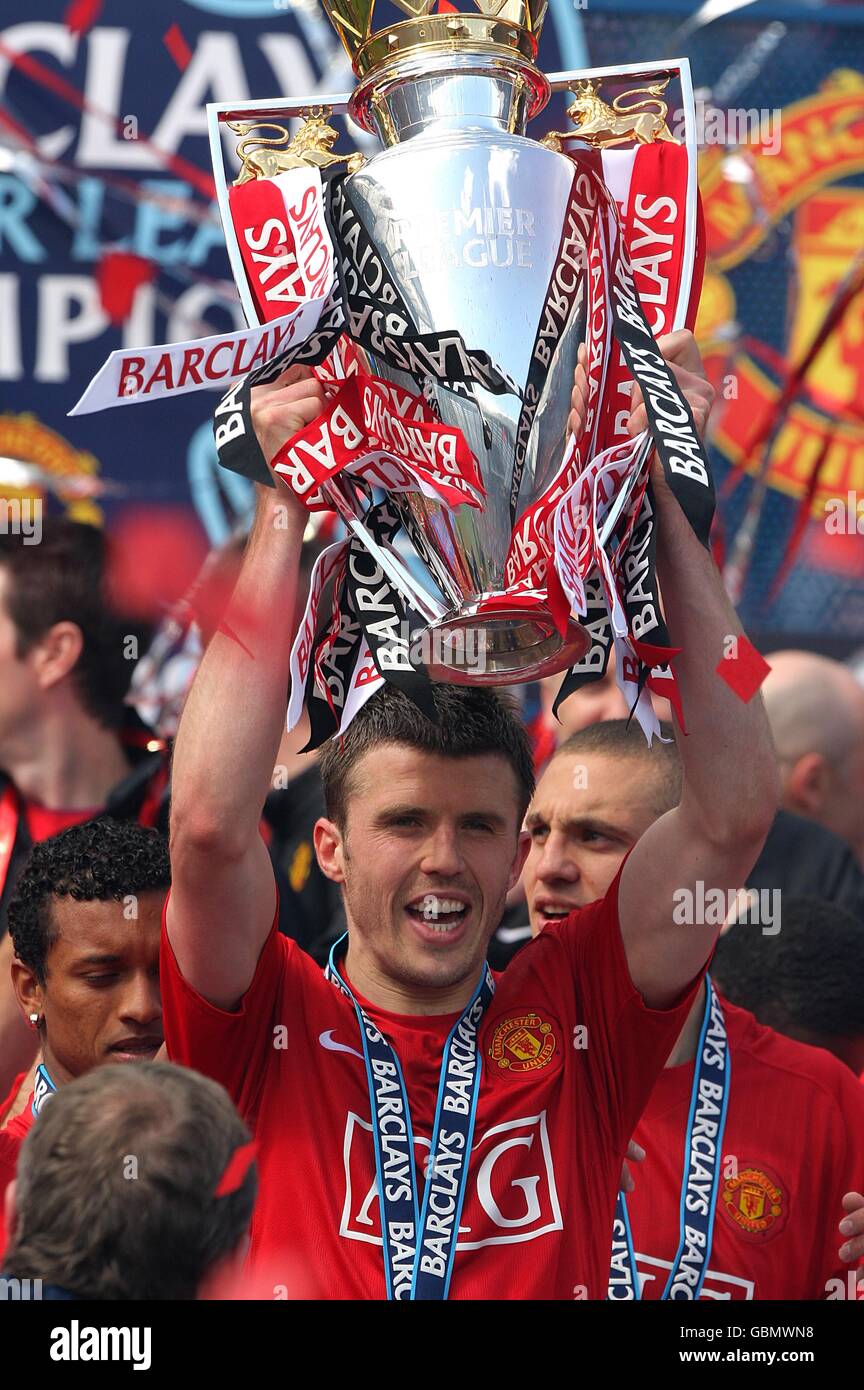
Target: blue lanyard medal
{"points": [[43, 1088], [703, 1147], [419, 1239]]}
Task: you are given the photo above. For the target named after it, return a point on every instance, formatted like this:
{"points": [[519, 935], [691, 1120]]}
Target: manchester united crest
{"points": [[525, 1043], [755, 1203]]}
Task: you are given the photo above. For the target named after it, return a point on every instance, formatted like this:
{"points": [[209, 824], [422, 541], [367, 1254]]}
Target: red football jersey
{"points": [[793, 1145], [43, 823], [6, 1105], [569, 1056], [11, 1139], [20, 1124]]}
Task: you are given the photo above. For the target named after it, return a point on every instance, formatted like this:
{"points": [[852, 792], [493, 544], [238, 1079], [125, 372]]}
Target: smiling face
{"points": [[430, 848], [587, 812], [100, 1001]]}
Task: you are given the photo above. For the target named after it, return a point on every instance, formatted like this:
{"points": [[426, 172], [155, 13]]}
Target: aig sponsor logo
{"points": [[717, 1285], [511, 1195]]}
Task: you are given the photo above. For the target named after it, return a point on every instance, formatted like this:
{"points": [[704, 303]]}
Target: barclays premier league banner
{"points": [[109, 229], [111, 241]]}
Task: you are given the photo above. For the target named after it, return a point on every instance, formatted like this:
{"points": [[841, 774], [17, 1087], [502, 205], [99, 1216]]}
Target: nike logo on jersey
{"points": [[327, 1040]]}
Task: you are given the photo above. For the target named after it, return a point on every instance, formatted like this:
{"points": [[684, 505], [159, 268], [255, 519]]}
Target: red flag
{"points": [[156, 554], [238, 1166], [743, 669], [118, 275], [81, 15], [177, 46]]}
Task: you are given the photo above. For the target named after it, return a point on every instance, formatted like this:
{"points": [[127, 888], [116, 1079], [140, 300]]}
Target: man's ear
{"points": [[28, 991], [522, 848], [56, 653], [329, 849], [808, 784]]}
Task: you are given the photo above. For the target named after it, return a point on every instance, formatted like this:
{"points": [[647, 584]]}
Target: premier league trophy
{"points": [[443, 281]]}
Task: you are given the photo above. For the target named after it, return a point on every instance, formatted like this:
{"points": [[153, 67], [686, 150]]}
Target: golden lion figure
{"points": [[266, 156], [601, 124]]}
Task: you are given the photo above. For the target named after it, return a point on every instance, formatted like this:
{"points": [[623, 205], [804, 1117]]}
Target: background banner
{"points": [[109, 238]]}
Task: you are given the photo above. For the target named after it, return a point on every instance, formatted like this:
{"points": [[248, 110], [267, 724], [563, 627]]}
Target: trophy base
{"points": [[508, 649]]}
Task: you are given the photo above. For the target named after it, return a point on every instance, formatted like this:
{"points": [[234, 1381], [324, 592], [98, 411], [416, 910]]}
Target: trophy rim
{"points": [[427, 58], [453, 33], [554, 653]]}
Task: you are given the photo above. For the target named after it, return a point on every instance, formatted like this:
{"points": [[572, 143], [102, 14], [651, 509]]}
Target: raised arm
{"points": [[730, 779], [223, 896]]}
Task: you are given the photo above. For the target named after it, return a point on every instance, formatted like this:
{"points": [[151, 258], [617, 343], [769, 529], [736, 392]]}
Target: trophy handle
{"points": [[672, 67], [224, 117]]}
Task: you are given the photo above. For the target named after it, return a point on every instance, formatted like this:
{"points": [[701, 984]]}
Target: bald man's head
{"points": [[816, 709]]}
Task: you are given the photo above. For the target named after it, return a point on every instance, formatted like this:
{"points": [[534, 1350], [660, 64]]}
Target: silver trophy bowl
{"points": [[467, 214]]}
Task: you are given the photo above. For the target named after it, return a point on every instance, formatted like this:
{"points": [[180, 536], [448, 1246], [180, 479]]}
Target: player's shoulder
{"points": [[803, 1067], [550, 953], [298, 962], [19, 1126]]}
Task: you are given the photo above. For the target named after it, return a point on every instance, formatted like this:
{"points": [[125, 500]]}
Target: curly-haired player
{"points": [[84, 922]]}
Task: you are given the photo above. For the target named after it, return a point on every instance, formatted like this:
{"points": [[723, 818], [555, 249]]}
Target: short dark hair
{"points": [[116, 1194], [472, 721], [100, 860], [807, 978], [623, 738], [65, 579]]}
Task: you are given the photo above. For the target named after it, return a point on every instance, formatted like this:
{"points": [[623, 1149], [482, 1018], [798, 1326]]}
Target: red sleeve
{"points": [[9, 1101], [626, 1044], [842, 1147], [232, 1048], [9, 1149]]}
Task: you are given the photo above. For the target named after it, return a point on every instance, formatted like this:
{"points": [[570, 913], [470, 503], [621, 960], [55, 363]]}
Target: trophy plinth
{"points": [[471, 648]]}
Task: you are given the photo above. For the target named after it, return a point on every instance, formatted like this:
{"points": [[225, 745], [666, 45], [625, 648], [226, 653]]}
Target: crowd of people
{"points": [[600, 1000]]}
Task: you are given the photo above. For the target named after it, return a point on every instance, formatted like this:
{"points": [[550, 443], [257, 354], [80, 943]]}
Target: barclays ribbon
{"points": [[709, 1100], [419, 1240]]}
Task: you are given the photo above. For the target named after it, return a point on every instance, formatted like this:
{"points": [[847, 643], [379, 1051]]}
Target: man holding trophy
{"points": [[418, 322], [519, 1100]]}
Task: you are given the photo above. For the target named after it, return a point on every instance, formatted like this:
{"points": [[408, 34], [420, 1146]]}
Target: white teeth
{"points": [[432, 906]]}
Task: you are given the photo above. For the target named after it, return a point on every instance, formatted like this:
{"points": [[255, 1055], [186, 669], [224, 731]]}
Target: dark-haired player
{"points": [[84, 921], [807, 981], [67, 748], [506, 1188], [78, 1223], [771, 1153]]}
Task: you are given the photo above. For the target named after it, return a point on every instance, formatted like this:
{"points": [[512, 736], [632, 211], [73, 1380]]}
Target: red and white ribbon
{"points": [[283, 239]]}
